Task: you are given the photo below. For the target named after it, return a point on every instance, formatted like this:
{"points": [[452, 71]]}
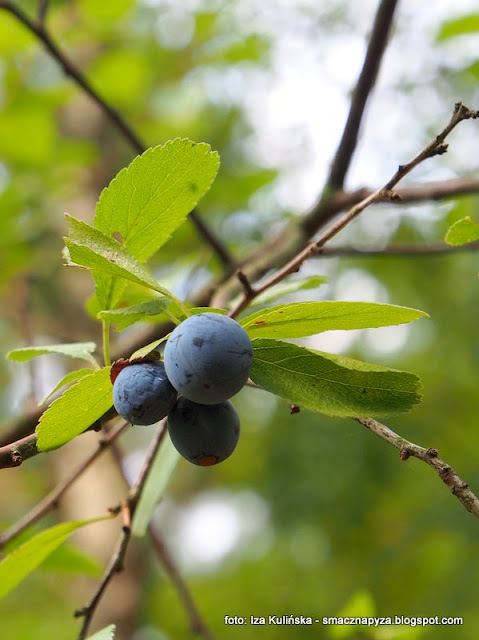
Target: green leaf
{"points": [[94, 250], [148, 348], [70, 559], [459, 26], [108, 633], [127, 316], [330, 384], [75, 411], [81, 350], [73, 376], [150, 198], [300, 319], [18, 564], [156, 484], [462, 232]]}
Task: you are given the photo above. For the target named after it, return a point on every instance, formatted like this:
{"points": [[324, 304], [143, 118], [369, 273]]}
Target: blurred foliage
{"points": [[341, 523]]}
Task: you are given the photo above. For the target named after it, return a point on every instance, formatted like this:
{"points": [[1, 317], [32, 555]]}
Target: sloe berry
{"points": [[204, 434], [208, 358], [142, 393]]}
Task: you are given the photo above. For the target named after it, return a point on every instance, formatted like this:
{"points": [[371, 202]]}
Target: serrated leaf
{"points": [[108, 633], [127, 316], [156, 484], [330, 384], [90, 248], [80, 350], [151, 197], [73, 376], [459, 26], [462, 232], [18, 564], [300, 319], [75, 411]]}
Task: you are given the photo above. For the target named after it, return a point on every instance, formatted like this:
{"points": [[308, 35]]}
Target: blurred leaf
{"points": [[41, 135], [127, 316], [331, 384], [70, 377], [156, 484], [459, 26], [13, 35], [26, 558], [462, 232], [70, 559], [108, 633], [300, 319], [360, 605], [151, 197], [251, 48], [104, 11], [80, 350], [75, 411], [94, 250], [284, 289]]}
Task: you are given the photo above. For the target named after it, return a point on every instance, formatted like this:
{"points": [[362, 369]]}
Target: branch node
{"points": [[246, 284], [294, 408], [404, 454], [431, 452]]}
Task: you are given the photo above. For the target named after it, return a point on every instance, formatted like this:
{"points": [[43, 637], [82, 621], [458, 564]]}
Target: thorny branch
{"points": [[128, 509], [436, 147], [458, 487], [114, 116]]}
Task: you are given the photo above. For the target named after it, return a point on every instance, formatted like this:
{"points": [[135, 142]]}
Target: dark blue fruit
{"points": [[208, 358], [142, 394], [204, 434]]}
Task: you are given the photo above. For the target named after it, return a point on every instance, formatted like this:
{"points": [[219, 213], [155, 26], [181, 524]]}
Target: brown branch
{"points": [[197, 624], [128, 510], [436, 147], [50, 501], [114, 116], [365, 83], [407, 449], [398, 250]]}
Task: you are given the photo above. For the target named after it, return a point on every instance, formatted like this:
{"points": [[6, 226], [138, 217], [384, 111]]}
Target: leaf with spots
{"points": [[300, 319], [331, 384]]}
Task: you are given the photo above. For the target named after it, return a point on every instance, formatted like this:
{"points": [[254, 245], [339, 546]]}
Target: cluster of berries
{"points": [[207, 360]]}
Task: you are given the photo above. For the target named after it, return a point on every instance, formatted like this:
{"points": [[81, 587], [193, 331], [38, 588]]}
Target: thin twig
{"points": [[128, 510], [114, 116], [197, 624], [407, 449], [398, 250], [50, 501], [364, 85], [436, 147], [42, 11]]}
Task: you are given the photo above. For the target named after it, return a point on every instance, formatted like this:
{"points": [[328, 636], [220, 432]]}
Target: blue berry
{"points": [[208, 358], [142, 393], [204, 434]]}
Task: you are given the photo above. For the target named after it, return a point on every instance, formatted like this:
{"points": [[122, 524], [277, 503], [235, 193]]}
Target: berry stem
{"points": [[106, 342]]}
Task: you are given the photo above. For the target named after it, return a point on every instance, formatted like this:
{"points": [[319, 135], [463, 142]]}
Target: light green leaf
{"points": [[108, 633], [81, 350], [300, 319], [94, 250], [462, 232], [127, 316], [330, 384], [18, 564], [70, 559], [151, 197], [75, 411], [459, 26], [73, 376], [148, 348], [156, 484]]}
